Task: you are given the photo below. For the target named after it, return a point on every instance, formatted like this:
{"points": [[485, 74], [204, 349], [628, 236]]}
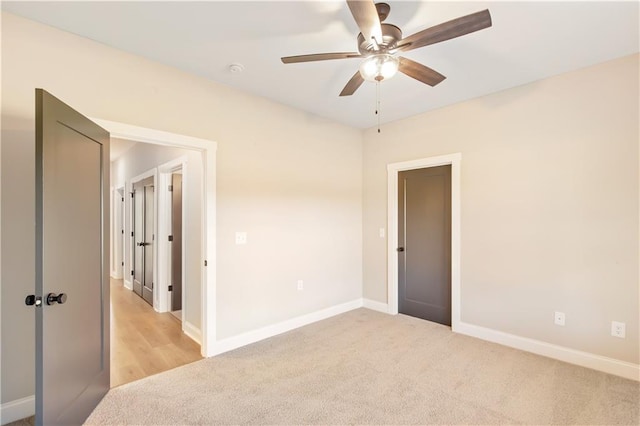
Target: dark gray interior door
{"points": [[143, 237], [72, 263], [176, 241], [424, 238], [149, 243]]}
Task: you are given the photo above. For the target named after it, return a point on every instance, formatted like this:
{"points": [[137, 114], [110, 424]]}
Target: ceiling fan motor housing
{"points": [[391, 35]]}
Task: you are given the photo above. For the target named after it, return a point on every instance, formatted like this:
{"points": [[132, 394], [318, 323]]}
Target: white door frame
{"points": [[208, 271], [392, 226], [117, 238], [122, 192]]}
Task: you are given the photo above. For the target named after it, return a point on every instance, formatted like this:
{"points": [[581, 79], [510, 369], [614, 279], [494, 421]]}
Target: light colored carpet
{"points": [[364, 367]]}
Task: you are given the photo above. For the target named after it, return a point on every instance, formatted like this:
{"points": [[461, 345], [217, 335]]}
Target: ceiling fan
{"points": [[378, 44]]}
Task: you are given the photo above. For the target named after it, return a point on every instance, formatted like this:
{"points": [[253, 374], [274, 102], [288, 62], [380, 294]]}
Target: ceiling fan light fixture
{"points": [[379, 67]]}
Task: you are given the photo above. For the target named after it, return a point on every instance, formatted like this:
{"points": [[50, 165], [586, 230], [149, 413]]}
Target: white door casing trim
{"points": [[208, 151], [119, 239], [393, 170]]}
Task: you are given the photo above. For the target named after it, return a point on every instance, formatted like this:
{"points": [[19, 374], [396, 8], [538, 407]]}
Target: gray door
{"points": [[424, 238], [72, 263], [176, 242], [143, 236]]}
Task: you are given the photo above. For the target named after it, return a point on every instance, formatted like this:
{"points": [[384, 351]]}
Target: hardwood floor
{"points": [[144, 342]]}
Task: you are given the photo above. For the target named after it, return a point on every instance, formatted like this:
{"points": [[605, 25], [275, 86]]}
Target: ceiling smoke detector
{"points": [[236, 68]]}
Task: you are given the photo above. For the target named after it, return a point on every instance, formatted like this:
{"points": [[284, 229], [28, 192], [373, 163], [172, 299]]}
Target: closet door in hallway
{"points": [[143, 341], [144, 238]]}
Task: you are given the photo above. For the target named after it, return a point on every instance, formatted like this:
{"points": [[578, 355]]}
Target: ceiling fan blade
{"points": [[420, 72], [319, 57], [352, 85], [447, 30], [366, 16]]}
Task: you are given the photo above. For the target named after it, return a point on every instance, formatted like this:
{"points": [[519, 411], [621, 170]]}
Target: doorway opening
{"points": [[393, 221], [149, 250], [148, 337]]}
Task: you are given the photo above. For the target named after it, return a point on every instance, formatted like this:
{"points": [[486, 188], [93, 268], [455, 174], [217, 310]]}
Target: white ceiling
{"points": [[528, 41]]}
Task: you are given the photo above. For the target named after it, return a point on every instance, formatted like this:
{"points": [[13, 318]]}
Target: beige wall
{"points": [[549, 215], [291, 180]]}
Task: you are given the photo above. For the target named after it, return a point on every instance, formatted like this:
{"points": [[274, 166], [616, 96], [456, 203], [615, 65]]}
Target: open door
{"points": [[72, 263], [176, 242]]}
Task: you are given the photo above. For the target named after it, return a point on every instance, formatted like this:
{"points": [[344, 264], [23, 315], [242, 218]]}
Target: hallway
{"points": [[144, 342]]}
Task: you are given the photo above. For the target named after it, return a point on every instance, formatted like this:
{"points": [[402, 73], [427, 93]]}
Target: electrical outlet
{"points": [[618, 329], [241, 238], [558, 318], [300, 285]]}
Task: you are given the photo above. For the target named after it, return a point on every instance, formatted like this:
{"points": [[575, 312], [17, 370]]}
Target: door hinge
{"points": [[122, 231], [122, 263], [205, 263], [131, 273], [170, 188], [170, 238], [170, 288], [132, 193], [123, 199], [132, 233]]}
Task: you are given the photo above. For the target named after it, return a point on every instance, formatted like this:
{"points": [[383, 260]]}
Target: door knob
{"points": [[400, 249], [143, 244], [56, 298]]}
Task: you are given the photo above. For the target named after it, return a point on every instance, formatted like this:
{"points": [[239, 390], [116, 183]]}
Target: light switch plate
{"points": [[241, 238]]}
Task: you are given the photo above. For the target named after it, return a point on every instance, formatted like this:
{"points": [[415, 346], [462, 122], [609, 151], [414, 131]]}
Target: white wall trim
{"points": [[376, 306], [112, 227], [561, 353], [208, 150], [128, 285], [231, 343], [392, 228], [17, 409], [118, 237], [192, 331]]}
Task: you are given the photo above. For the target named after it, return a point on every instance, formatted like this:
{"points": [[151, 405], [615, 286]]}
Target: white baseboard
{"points": [[584, 359], [231, 343], [376, 306], [192, 331], [18, 409], [128, 285]]}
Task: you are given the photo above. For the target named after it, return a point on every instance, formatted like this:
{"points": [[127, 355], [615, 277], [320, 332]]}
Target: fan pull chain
{"points": [[378, 103]]}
